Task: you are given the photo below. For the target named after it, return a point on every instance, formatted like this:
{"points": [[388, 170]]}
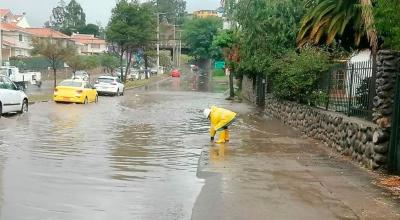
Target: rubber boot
{"points": [[227, 136], [221, 139]]}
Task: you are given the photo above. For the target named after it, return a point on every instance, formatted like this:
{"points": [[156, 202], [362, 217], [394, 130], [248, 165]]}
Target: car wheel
{"points": [[86, 101], [24, 108]]}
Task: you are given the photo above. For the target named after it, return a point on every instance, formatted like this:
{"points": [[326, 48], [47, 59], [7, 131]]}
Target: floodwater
{"points": [[131, 157], [147, 155]]}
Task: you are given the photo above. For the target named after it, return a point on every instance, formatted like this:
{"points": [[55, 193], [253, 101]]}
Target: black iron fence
{"points": [[349, 89]]}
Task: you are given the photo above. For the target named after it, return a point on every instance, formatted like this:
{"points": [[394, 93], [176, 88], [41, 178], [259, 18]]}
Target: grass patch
{"points": [[40, 97], [144, 82], [218, 72]]}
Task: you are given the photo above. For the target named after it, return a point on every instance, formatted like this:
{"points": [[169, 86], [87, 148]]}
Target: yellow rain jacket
{"points": [[219, 118]]}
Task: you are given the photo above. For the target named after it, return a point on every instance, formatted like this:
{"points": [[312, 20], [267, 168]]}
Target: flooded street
{"points": [[147, 155], [131, 157]]}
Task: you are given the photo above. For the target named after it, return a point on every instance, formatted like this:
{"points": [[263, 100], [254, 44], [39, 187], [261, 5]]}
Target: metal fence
{"points": [[349, 89]]}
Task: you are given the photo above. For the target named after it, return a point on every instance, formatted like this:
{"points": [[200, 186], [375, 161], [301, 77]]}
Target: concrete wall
{"points": [[366, 142]]}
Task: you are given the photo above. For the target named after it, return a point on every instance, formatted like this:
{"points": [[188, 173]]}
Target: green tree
{"points": [[227, 42], [268, 29], [199, 34], [55, 52], [75, 62], [173, 11], [388, 22], [90, 29], [109, 62], [131, 29], [75, 18]]}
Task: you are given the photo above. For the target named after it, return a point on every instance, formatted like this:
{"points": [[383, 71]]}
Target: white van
{"points": [[12, 99]]}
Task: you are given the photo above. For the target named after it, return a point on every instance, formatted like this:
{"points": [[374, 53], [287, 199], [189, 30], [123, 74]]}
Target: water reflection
{"points": [[217, 152], [130, 157], [129, 151]]}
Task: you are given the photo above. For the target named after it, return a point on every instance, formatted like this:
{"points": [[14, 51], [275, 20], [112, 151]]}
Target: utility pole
{"points": [[174, 48], [158, 42], [1, 45], [180, 48]]}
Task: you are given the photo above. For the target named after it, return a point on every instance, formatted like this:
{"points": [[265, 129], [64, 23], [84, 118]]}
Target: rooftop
{"points": [[87, 39], [47, 32]]}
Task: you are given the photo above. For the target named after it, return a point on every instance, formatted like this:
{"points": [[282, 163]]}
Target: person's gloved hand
{"points": [[212, 139]]}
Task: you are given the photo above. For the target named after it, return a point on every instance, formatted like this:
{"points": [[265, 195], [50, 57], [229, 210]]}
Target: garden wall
{"points": [[366, 142]]}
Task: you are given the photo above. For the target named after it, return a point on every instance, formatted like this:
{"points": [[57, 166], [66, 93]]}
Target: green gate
{"points": [[394, 147]]}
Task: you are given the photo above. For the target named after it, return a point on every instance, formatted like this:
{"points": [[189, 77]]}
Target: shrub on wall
{"points": [[296, 75]]}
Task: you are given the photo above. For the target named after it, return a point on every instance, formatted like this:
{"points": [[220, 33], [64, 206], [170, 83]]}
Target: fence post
{"points": [[372, 87], [351, 90], [329, 90]]}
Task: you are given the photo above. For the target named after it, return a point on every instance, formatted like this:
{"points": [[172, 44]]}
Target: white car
{"points": [[81, 75], [109, 85], [11, 98]]}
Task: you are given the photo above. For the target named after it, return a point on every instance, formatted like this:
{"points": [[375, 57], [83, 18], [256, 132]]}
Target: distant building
{"points": [[48, 33], [16, 41], [205, 13], [89, 44], [6, 16]]}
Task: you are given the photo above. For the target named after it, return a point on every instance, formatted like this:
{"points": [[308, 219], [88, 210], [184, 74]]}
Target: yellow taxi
{"points": [[75, 91]]}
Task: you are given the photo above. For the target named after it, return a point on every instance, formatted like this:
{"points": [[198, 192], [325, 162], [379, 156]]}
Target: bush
{"points": [[296, 75], [218, 72]]}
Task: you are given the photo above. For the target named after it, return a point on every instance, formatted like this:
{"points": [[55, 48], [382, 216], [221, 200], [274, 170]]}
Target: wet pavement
{"points": [[147, 155]]}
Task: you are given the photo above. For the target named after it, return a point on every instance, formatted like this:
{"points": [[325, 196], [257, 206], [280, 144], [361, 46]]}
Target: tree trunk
{"points": [[231, 89], [121, 60], [55, 77], [128, 64], [146, 65]]}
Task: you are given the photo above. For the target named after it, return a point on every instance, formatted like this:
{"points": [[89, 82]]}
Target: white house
{"points": [[359, 68], [89, 44], [16, 41]]}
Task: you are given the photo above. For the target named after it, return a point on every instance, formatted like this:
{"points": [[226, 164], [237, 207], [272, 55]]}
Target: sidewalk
{"points": [[269, 171]]}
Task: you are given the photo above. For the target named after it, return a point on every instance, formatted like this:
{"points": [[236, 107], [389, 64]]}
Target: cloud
{"points": [[39, 11]]}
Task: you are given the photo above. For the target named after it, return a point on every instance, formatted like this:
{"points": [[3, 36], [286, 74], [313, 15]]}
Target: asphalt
{"points": [[269, 171]]}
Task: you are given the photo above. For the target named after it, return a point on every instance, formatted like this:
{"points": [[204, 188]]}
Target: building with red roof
{"points": [[89, 44]]}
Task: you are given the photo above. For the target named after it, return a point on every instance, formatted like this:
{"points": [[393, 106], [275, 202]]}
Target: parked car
{"points": [[128, 77], [21, 79], [81, 75], [11, 98], [135, 73], [75, 91], [176, 73], [109, 85]]}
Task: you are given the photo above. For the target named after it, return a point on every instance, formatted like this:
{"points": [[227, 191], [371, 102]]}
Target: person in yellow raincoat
{"points": [[220, 119]]}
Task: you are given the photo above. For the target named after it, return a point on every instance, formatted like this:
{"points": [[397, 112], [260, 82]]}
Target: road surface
{"points": [[147, 155]]}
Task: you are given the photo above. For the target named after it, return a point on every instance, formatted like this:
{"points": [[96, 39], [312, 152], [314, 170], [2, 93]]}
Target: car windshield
{"points": [[71, 84], [106, 80]]}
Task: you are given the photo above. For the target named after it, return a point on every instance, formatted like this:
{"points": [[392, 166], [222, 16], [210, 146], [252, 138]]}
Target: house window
{"points": [[95, 46], [21, 38]]}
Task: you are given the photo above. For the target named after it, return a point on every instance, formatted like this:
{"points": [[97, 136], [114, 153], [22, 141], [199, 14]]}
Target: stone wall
{"points": [[366, 142], [249, 89], [387, 66]]}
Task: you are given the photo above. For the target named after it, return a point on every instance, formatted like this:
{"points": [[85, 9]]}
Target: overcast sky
{"points": [[38, 11]]}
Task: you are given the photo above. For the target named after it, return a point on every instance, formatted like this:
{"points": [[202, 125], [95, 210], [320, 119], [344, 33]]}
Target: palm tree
{"points": [[328, 20]]}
